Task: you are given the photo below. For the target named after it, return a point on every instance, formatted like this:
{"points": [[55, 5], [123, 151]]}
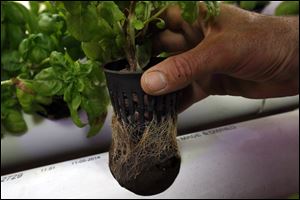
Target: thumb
{"points": [[179, 71]]}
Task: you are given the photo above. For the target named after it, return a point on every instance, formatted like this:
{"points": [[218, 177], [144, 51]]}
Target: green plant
{"points": [[16, 20], [37, 65], [122, 29], [287, 8], [11, 117]]}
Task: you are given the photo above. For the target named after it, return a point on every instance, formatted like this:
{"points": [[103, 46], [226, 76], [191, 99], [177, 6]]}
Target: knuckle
{"points": [[182, 68]]}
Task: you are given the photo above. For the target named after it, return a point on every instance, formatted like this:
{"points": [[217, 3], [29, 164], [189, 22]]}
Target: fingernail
{"points": [[155, 81]]}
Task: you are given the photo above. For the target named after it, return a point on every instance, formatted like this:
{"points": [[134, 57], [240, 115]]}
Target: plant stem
{"points": [[45, 61], [130, 38], [7, 82], [148, 14], [18, 83], [156, 15]]}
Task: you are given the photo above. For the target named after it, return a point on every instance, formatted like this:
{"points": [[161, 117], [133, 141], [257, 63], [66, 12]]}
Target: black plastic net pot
{"points": [[144, 156]]}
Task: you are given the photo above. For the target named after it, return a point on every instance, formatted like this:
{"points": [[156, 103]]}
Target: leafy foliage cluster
{"points": [[41, 60]]}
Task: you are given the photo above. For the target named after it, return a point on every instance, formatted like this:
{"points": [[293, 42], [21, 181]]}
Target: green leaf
{"points": [[3, 34], [9, 103], [106, 46], [85, 68], [24, 47], [164, 55], [19, 15], [44, 41], [189, 10], [37, 47], [76, 101], [80, 85], [2, 13], [92, 50], [26, 101], [79, 70], [97, 77], [14, 122], [32, 24], [248, 5], [68, 93], [68, 77], [110, 11], [57, 59], [105, 30], [34, 7], [95, 104], [83, 26], [15, 35], [95, 101], [140, 10], [68, 59], [143, 53], [120, 40], [75, 7], [13, 13], [37, 55], [43, 100], [75, 68], [46, 74], [75, 117], [213, 9], [161, 4], [47, 87], [287, 8], [11, 61], [8, 99], [50, 23], [161, 24], [137, 24], [96, 125], [117, 52]]}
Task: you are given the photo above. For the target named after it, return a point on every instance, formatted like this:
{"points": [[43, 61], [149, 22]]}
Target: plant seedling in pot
{"points": [[144, 156]]}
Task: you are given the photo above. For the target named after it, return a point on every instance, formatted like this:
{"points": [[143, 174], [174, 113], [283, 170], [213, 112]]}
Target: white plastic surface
{"points": [[51, 138], [217, 109], [253, 159], [280, 103]]}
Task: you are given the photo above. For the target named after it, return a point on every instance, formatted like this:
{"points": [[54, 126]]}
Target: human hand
{"points": [[241, 54]]}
